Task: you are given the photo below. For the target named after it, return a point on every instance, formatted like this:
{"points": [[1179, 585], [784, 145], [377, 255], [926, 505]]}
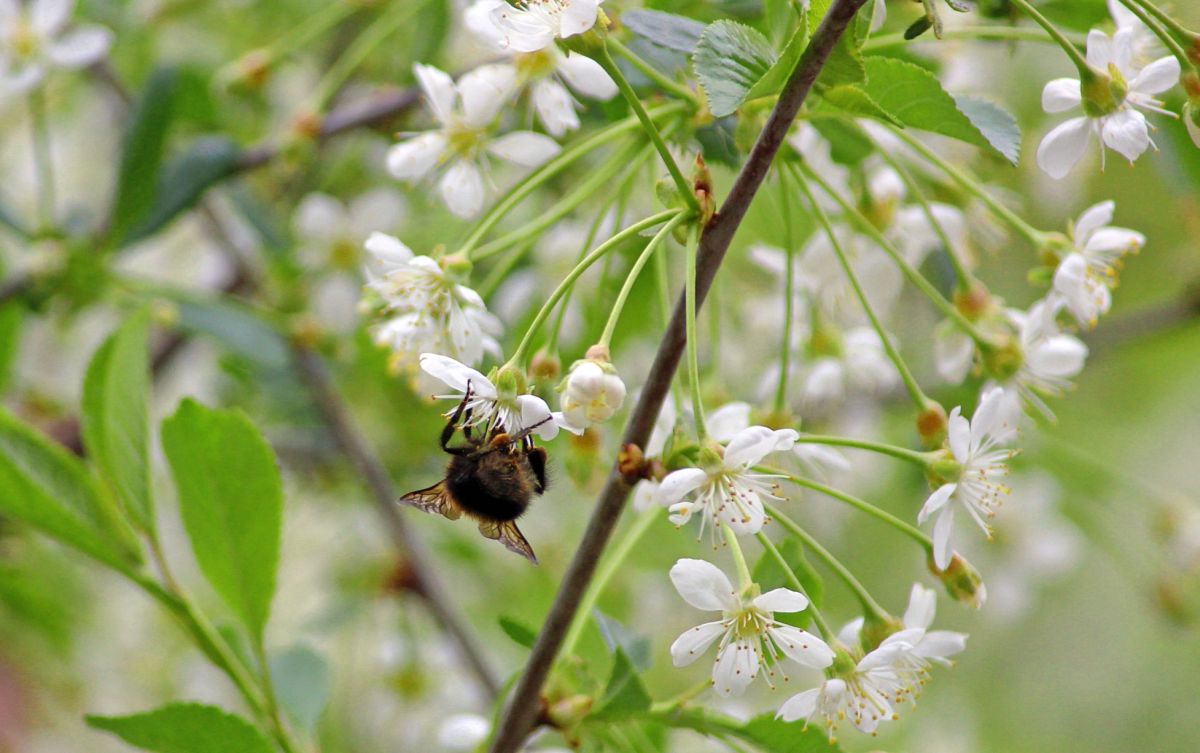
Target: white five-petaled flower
{"points": [[428, 309], [487, 406], [534, 25], [550, 73], [1084, 278], [725, 422], [750, 636], [1123, 129], [591, 392], [33, 40], [465, 112], [729, 492], [982, 464], [1050, 358]]}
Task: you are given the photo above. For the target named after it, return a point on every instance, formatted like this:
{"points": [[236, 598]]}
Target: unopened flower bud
{"points": [[545, 366], [592, 391], [962, 581], [509, 382], [1004, 360], [975, 302], [567, 712], [931, 424], [456, 265]]}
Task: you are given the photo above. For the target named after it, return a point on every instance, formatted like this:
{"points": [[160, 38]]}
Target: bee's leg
{"points": [[448, 432], [523, 434], [537, 461]]}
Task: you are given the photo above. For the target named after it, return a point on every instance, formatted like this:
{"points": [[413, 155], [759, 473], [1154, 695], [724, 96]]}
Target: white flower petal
{"points": [[690, 644], [1063, 147], [703, 585], [1099, 50], [80, 47], [461, 188], [942, 529], [524, 148], [439, 91], [922, 607], [802, 705], [457, 375], [484, 91], [1061, 94], [736, 667], [1126, 132], [413, 158], [1092, 219], [754, 443], [577, 17], [1157, 77], [321, 217], [678, 484], [936, 501], [535, 413], [554, 106], [959, 434], [939, 644], [48, 17], [725, 422], [802, 647], [782, 600], [586, 77]]}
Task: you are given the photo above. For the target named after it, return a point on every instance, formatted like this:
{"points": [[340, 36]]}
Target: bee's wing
{"points": [[509, 535], [435, 499]]}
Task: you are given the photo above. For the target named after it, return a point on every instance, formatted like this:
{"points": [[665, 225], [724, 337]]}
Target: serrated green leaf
{"points": [[45, 487], [231, 501], [996, 124], [816, 11], [624, 695], [664, 29], [847, 146], [301, 679], [728, 61], [237, 328], [854, 101], [773, 735], [916, 98], [182, 182], [774, 79], [142, 149], [617, 636], [522, 634], [116, 421], [185, 728], [845, 65]]}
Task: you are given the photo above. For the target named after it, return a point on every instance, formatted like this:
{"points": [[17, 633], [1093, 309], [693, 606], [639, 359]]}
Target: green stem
{"points": [[910, 382], [914, 276], [871, 607], [962, 274], [972, 186], [630, 279], [272, 702], [604, 574], [548, 170], [789, 294], [359, 50], [661, 275], [685, 187], [1067, 46], [909, 530], [1000, 33], [40, 132], [818, 618], [1165, 36], [745, 580], [921, 459], [652, 73], [693, 249], [626, 161], [1166, 20], [520, 354]]}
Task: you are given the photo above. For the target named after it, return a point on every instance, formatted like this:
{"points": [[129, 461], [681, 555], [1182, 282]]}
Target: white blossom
{"points": [[534, 25], [974, 446], [1050, 358], [1124, 129], [591, 393], [489, 407], [428, 310], [750, 637], [1085, 276], [729, 492], [459, 148], [34, 38]]}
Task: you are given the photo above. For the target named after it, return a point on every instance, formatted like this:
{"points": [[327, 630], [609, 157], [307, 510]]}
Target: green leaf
{"points": [[1081, 15], [625, 695], [848, 146], [12, 316], [116, 422], [914, 96], [777, 736], [728, 61], [664, 29], [816, 11], [44, 486], [237, 328], [853, 100], [996, 124], [185, 728], [231, 500], [184, 179], [301, 678], [522, 634], [618, 637], [142, 151], [774, 79], [844, 66]]}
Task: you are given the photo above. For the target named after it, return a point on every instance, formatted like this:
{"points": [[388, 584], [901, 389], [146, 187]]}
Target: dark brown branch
{"points": [[523, 706], [419, 574]]}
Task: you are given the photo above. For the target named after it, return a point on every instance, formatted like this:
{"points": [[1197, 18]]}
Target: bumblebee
{"points": [[491, 479]]}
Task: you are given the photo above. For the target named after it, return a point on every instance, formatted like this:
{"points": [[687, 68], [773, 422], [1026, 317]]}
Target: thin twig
{"points": [[315, 376], [523, 706]]}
